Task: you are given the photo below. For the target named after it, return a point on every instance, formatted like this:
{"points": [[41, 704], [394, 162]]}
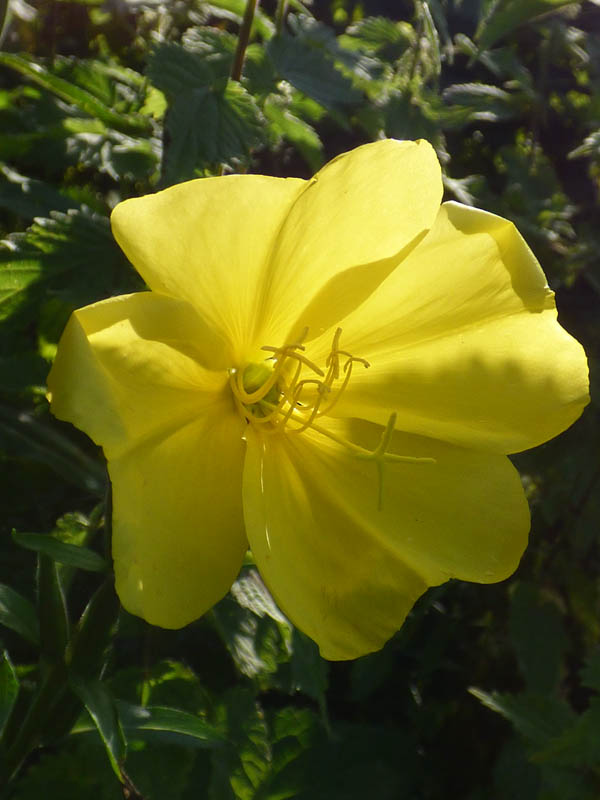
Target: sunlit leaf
{"points": [[504, 16]]}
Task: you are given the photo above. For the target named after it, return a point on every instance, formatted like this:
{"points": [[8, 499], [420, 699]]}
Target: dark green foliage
{"points": [[487, 693]]}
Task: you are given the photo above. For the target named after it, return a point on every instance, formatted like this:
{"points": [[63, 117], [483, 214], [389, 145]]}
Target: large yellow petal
{"points": [[346, 571], [178, 531], [127, 373], [208, 241], [126, 370], [360, 211], [463, 342]]}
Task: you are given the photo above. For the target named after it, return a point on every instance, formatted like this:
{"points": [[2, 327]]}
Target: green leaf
{"points": [[477, 101], [295, 130], [52, 611], [169, 724], [590, 674], [18, 614], [84, 100], [234, 10], [9, 689], [79, 243], [310, 71], [208, 128], [102, 708], [22, 434], [504, 16], [579, 745], [69, 554], [538, 635], [29, 197], [387, 38], [537, 717]]}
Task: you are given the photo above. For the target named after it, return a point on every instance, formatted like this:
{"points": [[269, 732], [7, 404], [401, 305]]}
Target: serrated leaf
{"points": [[64, 553], [310, 71], [504, 16], [9, 689], [78, 242], [18, 614], [537, 717], [478, 101], [84, 100], [175, 70], [101, 707], [384, 36], [209, 127], [29, 197], [579, 745]]}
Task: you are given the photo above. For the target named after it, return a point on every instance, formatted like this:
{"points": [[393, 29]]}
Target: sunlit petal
{"points": [[126, 370], [361, 210], [347, 571], [178, 531], [208, 241], [463, 342]]}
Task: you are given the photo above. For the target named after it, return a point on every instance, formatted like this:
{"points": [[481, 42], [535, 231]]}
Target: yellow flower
{"points": [[332, 371]]}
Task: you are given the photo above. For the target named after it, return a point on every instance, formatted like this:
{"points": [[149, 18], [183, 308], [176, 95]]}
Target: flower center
{"points": [[275, 394], [277, 391]]}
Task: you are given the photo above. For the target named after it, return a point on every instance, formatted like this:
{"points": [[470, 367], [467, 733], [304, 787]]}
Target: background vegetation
{"points": [[486, 692]]}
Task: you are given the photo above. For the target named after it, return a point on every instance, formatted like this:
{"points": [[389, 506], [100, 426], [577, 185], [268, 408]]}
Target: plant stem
{"points": [[243, 38]]}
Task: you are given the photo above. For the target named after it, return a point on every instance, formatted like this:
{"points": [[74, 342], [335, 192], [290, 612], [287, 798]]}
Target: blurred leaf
{"points": [[590, 674], [590, 147], [22, 436], [537, 717], [538, 637], [51, 611], [295, 130], [168, 724], [84, 100], [9, 689], [234, 10], [477, 101], [310, 672], [69, 554], [579, 745], [503, 16], [18, 614], [387, 38], [311, 71], [102, 709], [29, 197]]}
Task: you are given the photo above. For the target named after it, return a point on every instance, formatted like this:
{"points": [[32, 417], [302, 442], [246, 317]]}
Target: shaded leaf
{"points": [[9, 689], [64, 553], [169, 724], [311, 71], [101, 706], [18, 614], [504, 16]]}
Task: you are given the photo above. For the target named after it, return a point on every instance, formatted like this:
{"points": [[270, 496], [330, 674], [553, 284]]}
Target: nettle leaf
{"points": [[506, 15], [78, 243], [383, 36], [211, 119], [539, 718], [210, 127], [310, 70], [29, 197], [468, 102], [71, 93]]}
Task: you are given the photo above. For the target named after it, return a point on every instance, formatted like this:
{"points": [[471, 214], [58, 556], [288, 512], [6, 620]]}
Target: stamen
{"points": [[266, 395]]}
